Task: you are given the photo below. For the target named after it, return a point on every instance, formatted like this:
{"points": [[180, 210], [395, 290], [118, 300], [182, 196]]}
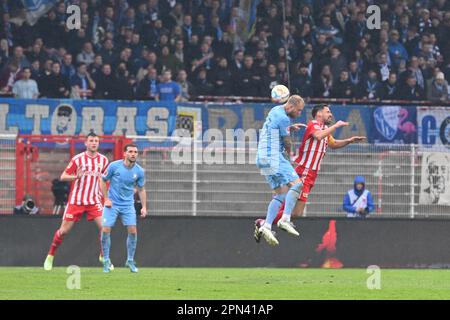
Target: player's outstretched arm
{"points": [[143, 198], [321, 134], [342, 143], [297, 126]]}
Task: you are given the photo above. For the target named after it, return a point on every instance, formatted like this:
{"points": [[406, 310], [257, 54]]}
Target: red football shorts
{"points": [[75, 213], [308, 178]]}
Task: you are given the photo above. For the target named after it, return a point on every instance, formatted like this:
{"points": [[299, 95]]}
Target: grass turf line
{"points": [[228, 283]]}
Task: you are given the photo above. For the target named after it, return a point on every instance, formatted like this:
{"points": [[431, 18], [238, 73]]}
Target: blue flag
{"points": [[37, 8]]}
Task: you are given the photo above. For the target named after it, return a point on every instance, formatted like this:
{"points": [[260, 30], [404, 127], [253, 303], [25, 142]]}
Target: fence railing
{"points": [[187, 177], [215, 180], [7, 173]]}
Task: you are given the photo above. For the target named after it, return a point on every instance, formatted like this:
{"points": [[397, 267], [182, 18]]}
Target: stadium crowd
{"points": [[161, 49]]}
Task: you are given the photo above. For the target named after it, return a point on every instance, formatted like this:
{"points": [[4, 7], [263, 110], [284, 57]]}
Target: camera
{"points": [[28, 206]]}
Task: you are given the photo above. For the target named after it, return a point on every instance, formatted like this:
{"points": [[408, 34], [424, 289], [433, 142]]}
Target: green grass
{"points": [[212, 283]]}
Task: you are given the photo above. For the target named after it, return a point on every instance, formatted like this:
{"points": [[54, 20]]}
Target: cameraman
{"points": [[358, 201], [28, 206]]}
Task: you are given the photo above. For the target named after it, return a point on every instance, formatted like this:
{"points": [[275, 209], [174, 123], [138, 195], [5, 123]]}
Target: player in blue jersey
{"points": [[273, 159], [124, 176]]}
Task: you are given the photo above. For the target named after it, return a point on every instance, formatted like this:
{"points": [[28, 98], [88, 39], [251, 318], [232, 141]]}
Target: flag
{"points": [[37, 8], [247, 18]]}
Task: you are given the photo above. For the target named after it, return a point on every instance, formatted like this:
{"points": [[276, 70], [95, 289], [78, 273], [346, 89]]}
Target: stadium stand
{"points": [[321, 49]]}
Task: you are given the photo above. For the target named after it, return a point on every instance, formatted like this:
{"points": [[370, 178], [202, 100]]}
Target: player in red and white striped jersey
{"points": [[84, 171], [317, 138]]}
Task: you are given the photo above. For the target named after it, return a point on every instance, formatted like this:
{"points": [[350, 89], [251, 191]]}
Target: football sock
{"points": [[56, 242], [280, 214], [100, 240], [131, 245], [106, 244], [273, 208], [291, 200]]}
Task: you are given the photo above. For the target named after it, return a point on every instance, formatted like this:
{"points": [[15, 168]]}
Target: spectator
{"points": [[37, 53], [383, 68], [222, 78], [82, 83], [411, 90], [302, 83], [354, 74], [123, 88], [371, 87], [358, 202], [8, 76], [343, 88], [43, 77], [355, 29], [203, 87], [270, 80], [337, 62], [389, 88], [438, 89], [57, 85], [396, 50], [187, 27], [247, 81], [168, 90], [169, 61], [108, 52], [204, 58], [331, 33], [86, 55], [26, 88], [324, 84], [179, 52], [415, 70], [67, 68], [19, 58], [175, 17], [200, 26], [187, 89], [96, 67], [106, 84], [35, 69], [237, 62], [148, 87], [4, 53], [215, 30]]}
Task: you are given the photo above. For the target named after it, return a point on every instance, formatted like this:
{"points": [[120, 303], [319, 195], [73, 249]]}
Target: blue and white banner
{"points": [[395, 124], [37, 8], [73, 117], [149, 118], [434, 128]]}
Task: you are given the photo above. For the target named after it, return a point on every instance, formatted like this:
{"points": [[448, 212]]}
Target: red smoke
{"points": [[329, 245]]}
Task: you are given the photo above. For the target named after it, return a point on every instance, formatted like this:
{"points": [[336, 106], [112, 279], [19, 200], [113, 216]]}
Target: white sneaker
{"points": [[288, 226], [269, 236]]}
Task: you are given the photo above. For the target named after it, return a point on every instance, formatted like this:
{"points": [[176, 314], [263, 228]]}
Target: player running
{"points": [[84, 171], [273, 159], [124, 175], [317, 138]]}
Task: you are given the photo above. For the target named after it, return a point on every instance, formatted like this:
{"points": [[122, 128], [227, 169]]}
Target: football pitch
{"points": [[218, 283]]}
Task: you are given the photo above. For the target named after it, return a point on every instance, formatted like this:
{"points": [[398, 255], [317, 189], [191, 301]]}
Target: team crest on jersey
{"points": [[135, 176]]}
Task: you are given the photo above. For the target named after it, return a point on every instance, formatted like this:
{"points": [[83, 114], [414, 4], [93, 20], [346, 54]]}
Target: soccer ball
{"points": [[279, 94]]}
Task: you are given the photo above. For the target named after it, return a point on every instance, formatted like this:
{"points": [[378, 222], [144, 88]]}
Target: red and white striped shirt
{"points": [[86, 190], [312, 151]]}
